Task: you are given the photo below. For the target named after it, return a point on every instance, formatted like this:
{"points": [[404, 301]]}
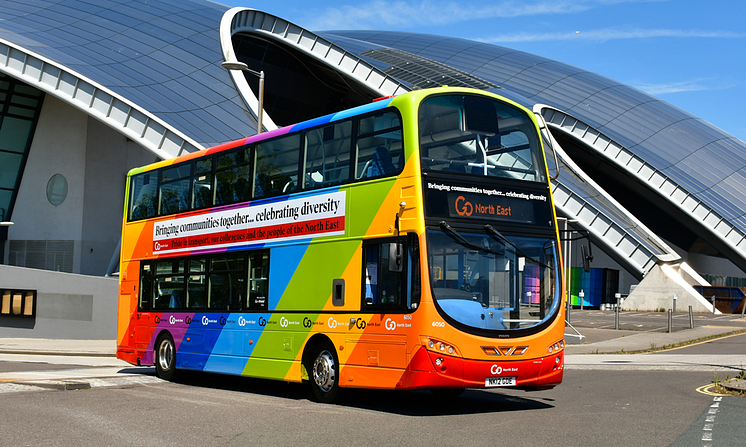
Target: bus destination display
{"points": [[448, 200]]}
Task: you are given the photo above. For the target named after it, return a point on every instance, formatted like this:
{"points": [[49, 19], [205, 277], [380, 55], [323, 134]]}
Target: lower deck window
{"points": [[219, 283]]}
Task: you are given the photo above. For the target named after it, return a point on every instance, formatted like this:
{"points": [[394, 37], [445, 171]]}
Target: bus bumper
{"points": [[433, 370]]}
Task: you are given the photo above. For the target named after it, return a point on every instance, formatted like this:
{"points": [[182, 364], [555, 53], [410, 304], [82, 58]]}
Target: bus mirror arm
{"points": [[395, 253]]}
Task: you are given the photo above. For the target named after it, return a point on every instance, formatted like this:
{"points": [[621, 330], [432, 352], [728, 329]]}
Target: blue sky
{"points": [[689, 53]]}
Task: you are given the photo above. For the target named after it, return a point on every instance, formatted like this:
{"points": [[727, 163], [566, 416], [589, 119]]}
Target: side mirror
{"points": [[396, 251]]}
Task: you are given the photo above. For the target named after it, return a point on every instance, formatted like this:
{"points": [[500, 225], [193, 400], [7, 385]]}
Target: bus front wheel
{"points": [[165, 357], [324, 373]]}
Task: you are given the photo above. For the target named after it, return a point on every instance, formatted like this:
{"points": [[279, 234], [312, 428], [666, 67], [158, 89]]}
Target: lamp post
{"points": [[238, 65]]}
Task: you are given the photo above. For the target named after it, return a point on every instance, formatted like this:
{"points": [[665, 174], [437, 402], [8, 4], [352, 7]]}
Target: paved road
{"points": [[650, 321], [605, 400]]}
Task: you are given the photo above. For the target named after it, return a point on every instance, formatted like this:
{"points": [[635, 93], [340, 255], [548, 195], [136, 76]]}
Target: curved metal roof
{"points": [[695, 167], [151, 70]]}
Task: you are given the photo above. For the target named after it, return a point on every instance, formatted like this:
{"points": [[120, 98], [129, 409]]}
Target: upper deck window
{"points": [[479, 136]]}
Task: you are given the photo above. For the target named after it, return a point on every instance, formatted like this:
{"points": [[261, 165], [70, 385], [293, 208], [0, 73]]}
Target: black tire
{"points": [[165, 357], [447, 393], [323, 373]]}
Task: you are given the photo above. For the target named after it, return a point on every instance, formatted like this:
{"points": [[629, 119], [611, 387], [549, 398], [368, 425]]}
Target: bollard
{"points": [[616, 318], [674, 303], [713, 304], [691, 318], [670, 320], [618, 297]]}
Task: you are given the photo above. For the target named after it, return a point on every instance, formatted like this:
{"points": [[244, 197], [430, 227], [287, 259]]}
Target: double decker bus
{"points": [[410, 243]]}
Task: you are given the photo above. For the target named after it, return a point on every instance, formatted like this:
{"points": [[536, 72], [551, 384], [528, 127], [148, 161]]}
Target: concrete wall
{"points": [[656, 291], [95, 160], [68, 306]]}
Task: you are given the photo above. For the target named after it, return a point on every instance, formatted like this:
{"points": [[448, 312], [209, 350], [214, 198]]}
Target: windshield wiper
{"points": [[491, 230], [462, 240]]}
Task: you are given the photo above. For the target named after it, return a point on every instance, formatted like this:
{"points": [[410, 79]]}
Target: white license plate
{"points": [[499, 381]]}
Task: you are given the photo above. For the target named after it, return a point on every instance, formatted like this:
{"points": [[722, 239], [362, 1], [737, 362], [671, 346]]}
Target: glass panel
{"points": [[175, 197], [202, 191], [203, 166], [384, 287], [175, 173], [379, 156], [197, 265], [227, 290], [480, 136], [196, 292], [169, 292], [379, 146], [382, 122], [146, 286], [14, 134], [169, 267], [258, 279], [228, 262], [233, 185], [484, 281], [10, 165], [276, 170], [327, 155], [231, 159], [143, 192]]}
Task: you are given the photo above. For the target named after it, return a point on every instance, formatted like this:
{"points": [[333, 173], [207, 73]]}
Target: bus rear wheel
{"points": [[165, 357], [324, 373]]}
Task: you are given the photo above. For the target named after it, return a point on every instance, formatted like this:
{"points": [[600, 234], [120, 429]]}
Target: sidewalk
{"points": [[40, 346], [610, 341]]}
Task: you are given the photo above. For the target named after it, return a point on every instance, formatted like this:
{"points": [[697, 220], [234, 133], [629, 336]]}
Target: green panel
{"points": [[324, 260]]}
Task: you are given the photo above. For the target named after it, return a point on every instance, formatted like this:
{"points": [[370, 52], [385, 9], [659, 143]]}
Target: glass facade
{"points": [[20, 105]]}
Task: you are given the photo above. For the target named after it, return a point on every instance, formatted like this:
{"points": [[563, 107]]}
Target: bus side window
{"points": [[327, 155], [143, 194], [258, 279], [169, 285], [276, 167], [233, 177], [202, 190], [388, 287], [227, 282], [146, 286], [382, 288], [175, 189], [379, 146]]}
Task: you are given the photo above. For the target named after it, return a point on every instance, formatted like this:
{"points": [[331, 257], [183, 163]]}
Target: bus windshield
{"points": [[479, 136], [488, 281]]}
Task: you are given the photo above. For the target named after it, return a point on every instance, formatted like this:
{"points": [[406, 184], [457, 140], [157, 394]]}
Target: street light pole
{"points": [[237, 65]]}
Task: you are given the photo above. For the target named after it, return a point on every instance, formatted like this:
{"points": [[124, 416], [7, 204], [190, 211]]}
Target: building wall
{"points": [[94, 159], [68, 306]]}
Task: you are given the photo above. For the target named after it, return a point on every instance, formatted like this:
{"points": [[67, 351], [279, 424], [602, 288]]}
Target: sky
{"points": [[691, 54]]}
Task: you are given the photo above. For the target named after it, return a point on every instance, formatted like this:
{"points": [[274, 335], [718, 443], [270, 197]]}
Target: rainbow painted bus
{"points": [[410, 243]]}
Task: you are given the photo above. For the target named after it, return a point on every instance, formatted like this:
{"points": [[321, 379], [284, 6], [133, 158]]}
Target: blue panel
{"points": [[283, 261], [372, 107]]}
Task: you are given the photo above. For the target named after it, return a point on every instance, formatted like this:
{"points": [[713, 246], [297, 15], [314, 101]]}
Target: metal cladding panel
{"points": [[126, 46]]}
